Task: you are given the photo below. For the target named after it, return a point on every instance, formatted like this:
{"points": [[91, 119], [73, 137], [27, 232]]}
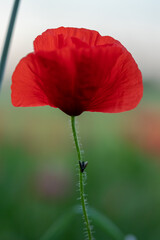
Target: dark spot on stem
{"points": [[83, 165]]}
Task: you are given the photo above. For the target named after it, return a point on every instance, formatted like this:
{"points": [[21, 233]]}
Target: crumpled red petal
{"points": [[53, 39], [122, 90], [27, 86]]}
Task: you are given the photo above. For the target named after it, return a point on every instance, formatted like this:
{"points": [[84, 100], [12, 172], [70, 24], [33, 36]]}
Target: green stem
{"points": [[81, 180], [8, 39]]}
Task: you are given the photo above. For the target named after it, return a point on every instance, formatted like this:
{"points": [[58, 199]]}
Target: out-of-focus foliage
{"points": [[38, 162]]}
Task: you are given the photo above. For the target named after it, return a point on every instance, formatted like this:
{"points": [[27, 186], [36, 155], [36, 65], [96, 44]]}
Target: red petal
{"points": [[93, 65], [44, 79], [53, 39], [27, 85], [122, 89]]}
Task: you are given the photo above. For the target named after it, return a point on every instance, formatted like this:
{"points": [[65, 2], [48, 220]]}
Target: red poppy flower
{"points": [[77, 70]]}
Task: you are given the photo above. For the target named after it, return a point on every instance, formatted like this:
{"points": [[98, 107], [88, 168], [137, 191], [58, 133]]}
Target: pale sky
{"points": [[135, 23]]}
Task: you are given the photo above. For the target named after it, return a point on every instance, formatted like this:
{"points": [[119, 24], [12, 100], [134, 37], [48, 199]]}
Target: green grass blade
{"points": [[99, 220], [8, 39], [106, 225], [59, 226]]}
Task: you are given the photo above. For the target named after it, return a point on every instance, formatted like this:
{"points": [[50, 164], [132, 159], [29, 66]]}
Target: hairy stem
{"points": [[81, 180]]}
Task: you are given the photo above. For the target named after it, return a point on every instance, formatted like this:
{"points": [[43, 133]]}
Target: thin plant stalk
{"points": [[81, 181], [8, 39]]}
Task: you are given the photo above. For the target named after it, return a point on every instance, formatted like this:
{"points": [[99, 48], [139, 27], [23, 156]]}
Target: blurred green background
{"points": [[38, 161], [38, 173]]}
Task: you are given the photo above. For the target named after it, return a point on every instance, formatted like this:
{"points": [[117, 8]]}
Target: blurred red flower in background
{"points": [[143, 129], [77, 70]]}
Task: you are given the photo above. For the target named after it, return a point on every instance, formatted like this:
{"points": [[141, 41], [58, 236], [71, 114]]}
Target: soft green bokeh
{"points": [[38, 160], [38, 169]]}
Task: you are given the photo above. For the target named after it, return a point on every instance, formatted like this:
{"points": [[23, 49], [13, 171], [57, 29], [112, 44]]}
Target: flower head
{"points": [[77, 70]]}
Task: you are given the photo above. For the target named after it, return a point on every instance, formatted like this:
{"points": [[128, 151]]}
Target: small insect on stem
{"points": [[83, 165]]}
